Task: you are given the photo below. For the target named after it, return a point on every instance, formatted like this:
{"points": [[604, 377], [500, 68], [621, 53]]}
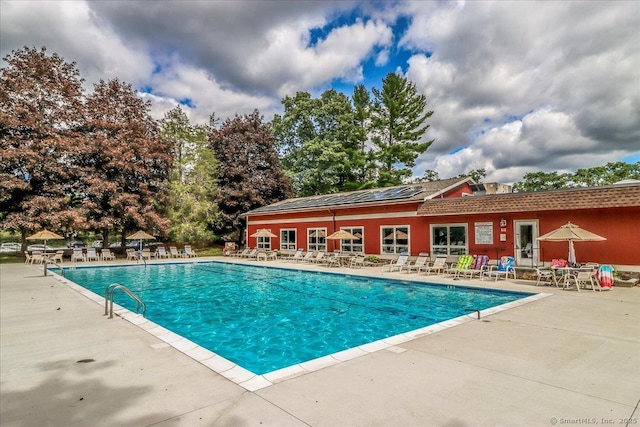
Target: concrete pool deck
{"points": [[570, 358]]}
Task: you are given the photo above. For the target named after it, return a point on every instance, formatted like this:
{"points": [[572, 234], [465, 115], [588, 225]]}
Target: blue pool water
{"points": [[265, 319]]}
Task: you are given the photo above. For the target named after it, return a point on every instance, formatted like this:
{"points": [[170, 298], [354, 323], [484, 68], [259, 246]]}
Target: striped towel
{"points": [[605, 276]]}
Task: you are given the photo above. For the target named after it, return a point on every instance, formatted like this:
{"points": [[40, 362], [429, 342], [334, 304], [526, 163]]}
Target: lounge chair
{"points": [[464, 263], [92, 255], [294, 256], [332, 260], [174, 252], [307, 257], [161, 252], [438, 266], [503, 269], [252, 254], [107, 255], [77, 255], [545, 275], [398, 264], [188, 252], [319, 258], [357, 261], [477, 268], [27, 257], [36, 257], [58, 257], [417, 265], [244, 252], [583, 279], [146, 253], [132, 255]]}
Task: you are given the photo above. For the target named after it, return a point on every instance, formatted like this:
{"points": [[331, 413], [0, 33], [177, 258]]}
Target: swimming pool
{"points": [[265, 318]]}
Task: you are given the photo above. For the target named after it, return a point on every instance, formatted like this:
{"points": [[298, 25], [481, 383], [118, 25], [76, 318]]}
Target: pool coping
{"points": [[251, 381]]}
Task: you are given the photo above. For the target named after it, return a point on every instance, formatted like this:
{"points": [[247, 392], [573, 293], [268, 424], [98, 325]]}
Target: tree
{"points": [[429, 176], [41, 112], [125, 163], [249, 171], [476, 174], [590, 177], [606, 175], [397, 122], [193, 187], [541, 181]]}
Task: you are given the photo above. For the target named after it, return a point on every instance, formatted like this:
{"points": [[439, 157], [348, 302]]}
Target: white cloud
{"points": [[527, 87], [515, 86]]}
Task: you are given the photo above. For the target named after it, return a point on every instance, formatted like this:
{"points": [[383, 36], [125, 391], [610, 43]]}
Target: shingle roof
{"points": [[570, 199], [378, 196]]}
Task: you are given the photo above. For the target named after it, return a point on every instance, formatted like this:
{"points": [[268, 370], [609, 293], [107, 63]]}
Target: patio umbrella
{"points": [[263, 232], [571, 233], [342, 235], [140, 235], [45, 235]]}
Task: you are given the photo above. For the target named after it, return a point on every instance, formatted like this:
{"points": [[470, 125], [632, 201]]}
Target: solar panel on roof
{"points": [[365, 196]]}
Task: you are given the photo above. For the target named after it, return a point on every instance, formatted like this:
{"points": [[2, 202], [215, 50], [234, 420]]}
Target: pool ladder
{"points": [[108, 299]]}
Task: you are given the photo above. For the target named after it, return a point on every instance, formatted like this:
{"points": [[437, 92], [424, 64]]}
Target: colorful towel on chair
{"points": [[505, 263], [464, 262], [605, 276], [480, 262], [558, 262]]}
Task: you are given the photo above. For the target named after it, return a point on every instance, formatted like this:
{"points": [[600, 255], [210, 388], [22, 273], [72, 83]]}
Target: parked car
{"points": [[76, 244], [48, 248], [10, 247], [97, 244], [115, 245]]}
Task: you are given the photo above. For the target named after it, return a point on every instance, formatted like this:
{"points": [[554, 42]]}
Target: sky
{"points": [[515, 86]]}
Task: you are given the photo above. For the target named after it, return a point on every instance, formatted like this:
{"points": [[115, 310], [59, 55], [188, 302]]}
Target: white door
{"points": [[526, 248]]}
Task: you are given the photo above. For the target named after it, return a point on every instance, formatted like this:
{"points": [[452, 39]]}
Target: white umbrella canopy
{"points": [[342, 235], [263, 232], [140, 235], [45, 235], [571, 233]]}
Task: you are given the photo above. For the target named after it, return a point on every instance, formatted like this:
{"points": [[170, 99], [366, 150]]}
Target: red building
{"points": [[449, 217]]}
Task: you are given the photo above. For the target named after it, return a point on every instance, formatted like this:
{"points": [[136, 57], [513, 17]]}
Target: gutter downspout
{"points": [[333, 215]]}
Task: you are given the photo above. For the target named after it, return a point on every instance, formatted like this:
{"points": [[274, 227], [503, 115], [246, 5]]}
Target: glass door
{"points": [[526, 243]]}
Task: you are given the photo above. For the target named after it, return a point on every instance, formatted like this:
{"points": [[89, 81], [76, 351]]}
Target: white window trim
{"points": [[295, 243], [351, 227], [449, 246], [382, 244], [318, 248]]}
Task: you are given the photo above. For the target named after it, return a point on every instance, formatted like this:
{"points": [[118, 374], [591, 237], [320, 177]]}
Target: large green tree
{"points": [[193, 187], [41, 112], [249, 170], [322, 141], [398, 119]]}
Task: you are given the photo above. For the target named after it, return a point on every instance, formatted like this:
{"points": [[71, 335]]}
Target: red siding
{"points": [[621, 227]]}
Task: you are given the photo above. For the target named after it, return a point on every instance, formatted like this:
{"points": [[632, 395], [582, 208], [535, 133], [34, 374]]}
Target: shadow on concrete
{"points": [[68, 399]]}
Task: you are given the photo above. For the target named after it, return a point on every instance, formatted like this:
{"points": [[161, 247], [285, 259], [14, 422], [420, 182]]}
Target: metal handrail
{"points": [[60, 267], [108, 299]]}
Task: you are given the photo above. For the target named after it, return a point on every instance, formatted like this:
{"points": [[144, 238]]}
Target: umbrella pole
{"points": [[45, 258]]}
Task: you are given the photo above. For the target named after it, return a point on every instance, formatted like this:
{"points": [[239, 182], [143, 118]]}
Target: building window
{"points": [[317, 239], [264, 243], [353, 245], [395, 240], [449, 239], [288, 240]]}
